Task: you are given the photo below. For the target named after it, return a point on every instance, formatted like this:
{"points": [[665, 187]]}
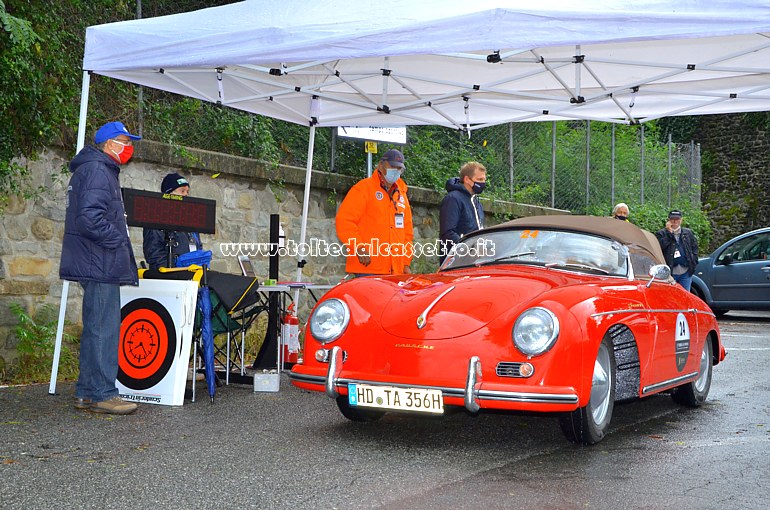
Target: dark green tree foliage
{"points": [[41, 49]]}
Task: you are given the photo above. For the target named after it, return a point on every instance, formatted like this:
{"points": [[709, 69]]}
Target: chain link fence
{"points": [[587, 167]]}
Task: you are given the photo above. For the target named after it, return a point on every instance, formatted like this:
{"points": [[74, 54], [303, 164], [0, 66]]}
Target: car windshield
{"points": [[572, 251]]}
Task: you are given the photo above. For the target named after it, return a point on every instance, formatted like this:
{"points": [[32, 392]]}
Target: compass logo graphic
{"points": [[147, 344]]}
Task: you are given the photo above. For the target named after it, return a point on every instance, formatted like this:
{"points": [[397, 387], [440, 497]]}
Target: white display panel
{"points": [[157, 320]]}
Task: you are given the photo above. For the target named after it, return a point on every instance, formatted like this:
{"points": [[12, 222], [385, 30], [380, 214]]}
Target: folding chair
{"points": [[235, 305]]}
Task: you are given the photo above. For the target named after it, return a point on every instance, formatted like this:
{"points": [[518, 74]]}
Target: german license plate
{"points": [[402, 399]]}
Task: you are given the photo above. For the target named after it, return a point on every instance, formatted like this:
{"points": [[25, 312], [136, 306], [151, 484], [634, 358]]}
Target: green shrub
{"points": [[36, 338]]}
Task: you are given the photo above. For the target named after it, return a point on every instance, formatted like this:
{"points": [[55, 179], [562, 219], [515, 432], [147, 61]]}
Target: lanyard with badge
{"points": [[678, 250], [192, 241], [399, 218]]}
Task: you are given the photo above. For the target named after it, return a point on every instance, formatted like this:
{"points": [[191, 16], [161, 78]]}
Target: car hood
{"points": [[437, 306]]}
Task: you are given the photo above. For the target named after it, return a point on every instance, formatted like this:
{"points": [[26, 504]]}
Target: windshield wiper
{"points": [[504, 257], [572, 265]]}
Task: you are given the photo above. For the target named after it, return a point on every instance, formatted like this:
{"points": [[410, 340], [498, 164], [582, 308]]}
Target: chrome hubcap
{"points": [[601, 385], [700, 383]]}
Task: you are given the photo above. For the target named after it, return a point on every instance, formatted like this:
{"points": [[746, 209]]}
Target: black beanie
{"points": [[172, 182]]}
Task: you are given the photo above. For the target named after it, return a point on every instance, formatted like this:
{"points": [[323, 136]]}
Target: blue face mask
{"points": [[478, 187], [392, 175]]}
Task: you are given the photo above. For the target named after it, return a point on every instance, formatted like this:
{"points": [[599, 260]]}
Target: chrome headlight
{"points": [[329, 320], [535, 331]]}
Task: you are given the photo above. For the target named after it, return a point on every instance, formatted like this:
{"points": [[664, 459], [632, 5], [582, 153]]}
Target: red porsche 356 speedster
{"points": [[551, 314]]}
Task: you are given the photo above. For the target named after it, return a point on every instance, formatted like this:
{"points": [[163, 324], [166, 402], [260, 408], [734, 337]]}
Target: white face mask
{"points": [[392, 175]]}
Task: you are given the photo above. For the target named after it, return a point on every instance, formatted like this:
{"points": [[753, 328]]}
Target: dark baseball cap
{"points": [[675, 214], [394, 158]]}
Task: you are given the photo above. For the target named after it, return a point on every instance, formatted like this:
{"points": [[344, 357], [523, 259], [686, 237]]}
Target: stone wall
{"points": [[246, 192], [735, 154]]}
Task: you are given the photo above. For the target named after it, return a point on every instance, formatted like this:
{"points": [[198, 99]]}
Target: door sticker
{"points": [[682, 348]]}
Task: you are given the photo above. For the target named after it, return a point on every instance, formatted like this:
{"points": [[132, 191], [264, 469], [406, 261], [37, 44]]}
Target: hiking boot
{"points": [[115, 405], [83, 403]]}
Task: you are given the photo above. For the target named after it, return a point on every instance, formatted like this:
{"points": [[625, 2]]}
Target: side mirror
{"points": [[659, 272], [728, 259]]}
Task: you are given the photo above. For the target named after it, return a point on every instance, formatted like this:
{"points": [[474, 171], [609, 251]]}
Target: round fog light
{"points": [[526, 369], [321, 355]]}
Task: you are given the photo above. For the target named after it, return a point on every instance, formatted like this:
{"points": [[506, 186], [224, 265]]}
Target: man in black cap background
{"points": [[680, 248], [376, 214], [97, 253], [155, 243]]}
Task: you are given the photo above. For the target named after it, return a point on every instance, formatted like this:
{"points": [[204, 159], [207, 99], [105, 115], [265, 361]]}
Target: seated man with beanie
{"points": [[156, 242]]}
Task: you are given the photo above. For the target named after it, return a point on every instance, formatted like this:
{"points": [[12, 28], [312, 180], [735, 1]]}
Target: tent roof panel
{"points": [[396, 62]]}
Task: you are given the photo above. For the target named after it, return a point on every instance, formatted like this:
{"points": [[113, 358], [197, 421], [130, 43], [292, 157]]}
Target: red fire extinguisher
{"points": [[290, 336]]}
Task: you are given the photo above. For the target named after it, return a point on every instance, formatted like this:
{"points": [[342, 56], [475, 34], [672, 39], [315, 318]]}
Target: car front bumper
{"points": [[474, 395]]}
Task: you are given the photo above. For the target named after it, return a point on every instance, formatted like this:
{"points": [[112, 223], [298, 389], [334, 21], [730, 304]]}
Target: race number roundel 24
{"points": [[147, 344], [682, 340]]}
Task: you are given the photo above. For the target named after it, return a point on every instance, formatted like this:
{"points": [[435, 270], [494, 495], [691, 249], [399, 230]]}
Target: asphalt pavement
{"points": [[293, 450]]}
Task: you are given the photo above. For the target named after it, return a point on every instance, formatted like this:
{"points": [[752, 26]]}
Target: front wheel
{"points": [[589, 424], [356, 413], [694, 393]]}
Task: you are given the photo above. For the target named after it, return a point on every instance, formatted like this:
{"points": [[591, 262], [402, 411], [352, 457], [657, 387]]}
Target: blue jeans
{"points": [[99, 341], [684, 279]]}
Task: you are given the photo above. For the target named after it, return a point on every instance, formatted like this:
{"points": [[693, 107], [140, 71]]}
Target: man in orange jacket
{"points": [[375, 221]]}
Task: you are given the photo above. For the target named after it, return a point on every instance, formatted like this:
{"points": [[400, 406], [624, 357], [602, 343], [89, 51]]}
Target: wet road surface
{"points": [[293, 450]]}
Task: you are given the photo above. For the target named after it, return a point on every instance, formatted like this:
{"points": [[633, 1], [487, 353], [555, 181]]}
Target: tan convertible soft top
{"points": [[623, 231]]}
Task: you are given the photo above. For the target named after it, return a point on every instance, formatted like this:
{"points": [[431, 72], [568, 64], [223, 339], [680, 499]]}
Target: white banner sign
{"points": [[378, 134]]}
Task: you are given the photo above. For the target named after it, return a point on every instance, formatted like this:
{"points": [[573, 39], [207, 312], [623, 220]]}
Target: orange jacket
{"points": [[367, 215]]}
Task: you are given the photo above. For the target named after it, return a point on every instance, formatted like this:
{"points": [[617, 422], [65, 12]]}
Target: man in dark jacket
{"points": [[680, 249], [155, 244], [97, 253], [461, 212]]}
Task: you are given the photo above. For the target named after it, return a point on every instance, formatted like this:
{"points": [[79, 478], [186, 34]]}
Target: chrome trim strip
{"points": [[312, 379], [670, 382], [644, 310], [422, 320], [503, 396], [531, 398], [472, 385], [335, 367]]}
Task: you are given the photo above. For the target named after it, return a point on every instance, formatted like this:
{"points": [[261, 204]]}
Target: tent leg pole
{"points": [[83, 110], [227, 363], [305, 208], [66, 285], [59, 333]]}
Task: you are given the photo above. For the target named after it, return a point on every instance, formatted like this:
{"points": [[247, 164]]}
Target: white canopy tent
{"points": [[451, 63], [454, 63]]}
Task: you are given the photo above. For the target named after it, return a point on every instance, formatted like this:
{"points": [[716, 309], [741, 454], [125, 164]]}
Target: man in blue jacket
{"points": [[461, 212], [97, 253]]}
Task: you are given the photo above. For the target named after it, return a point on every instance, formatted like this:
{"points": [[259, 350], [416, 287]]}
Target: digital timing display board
{"points": [[169, 212]]}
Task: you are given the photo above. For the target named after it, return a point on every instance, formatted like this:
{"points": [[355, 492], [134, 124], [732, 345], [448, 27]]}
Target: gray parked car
{"points": [[736, 276]]}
